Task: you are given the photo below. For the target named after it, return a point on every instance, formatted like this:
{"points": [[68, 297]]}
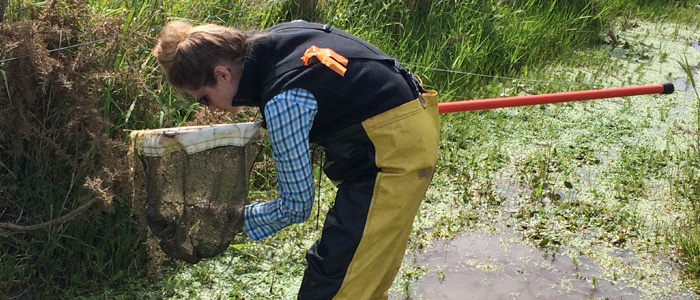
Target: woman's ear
{"points": [[222, 72]]}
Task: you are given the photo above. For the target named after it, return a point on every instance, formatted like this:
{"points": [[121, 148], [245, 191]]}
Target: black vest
{"points": [[373, 82]]}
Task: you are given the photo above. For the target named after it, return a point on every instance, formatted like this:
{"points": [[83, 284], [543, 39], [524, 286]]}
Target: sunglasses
{"points": [[204, 100]]}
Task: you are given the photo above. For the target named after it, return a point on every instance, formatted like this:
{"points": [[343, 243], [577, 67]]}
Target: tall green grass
{"points": [[487, 37]]}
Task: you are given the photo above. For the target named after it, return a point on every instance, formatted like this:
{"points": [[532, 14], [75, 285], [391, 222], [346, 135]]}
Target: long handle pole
{"points": [[491, 103]]}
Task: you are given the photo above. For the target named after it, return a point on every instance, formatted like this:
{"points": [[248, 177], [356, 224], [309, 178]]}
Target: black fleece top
{"points": [[372, 84]]}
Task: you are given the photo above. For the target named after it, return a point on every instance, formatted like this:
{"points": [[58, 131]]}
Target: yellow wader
{"points": [[367, 229]]}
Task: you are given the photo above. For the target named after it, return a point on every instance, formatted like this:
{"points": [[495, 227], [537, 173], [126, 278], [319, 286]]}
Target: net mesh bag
{"points": [[197, 185]]}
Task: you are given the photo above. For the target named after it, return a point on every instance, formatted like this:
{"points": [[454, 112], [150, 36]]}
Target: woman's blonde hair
{"points": [[189, 54]]}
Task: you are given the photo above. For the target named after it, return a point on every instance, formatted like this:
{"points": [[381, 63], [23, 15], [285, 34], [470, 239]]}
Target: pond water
{"points": [[695, 45], [482, 265], [497, 264], [682, 84]]}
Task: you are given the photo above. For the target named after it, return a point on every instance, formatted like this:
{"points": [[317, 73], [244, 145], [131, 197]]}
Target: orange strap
{"points": [[327, 57]]}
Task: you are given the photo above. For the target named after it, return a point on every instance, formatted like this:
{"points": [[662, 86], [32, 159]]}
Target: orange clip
{"points": [[327, 57]]}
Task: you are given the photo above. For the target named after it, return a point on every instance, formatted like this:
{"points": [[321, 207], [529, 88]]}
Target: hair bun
{"points": [[169, 40], [180, 46]]}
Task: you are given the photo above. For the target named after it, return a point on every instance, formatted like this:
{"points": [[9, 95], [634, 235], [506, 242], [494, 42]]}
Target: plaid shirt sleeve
{"points": [[289, 116]]}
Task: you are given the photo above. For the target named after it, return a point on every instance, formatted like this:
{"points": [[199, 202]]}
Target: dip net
{"points": [[196, 185]]}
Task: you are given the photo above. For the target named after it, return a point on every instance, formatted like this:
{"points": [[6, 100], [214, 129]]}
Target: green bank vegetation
{"points": [[63, 117]]}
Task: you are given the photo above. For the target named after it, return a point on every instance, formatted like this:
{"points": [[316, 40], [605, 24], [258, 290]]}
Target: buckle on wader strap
{"points": [[412, 80]]}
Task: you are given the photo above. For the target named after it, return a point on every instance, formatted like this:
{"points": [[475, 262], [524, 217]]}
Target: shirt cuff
{"points": [[259, 219]]}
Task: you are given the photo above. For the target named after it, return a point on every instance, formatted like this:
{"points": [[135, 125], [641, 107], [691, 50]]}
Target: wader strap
{"points": [[412, 80]]}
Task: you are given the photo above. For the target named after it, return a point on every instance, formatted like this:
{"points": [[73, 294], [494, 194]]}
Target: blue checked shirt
{"points": [[289, 116]]}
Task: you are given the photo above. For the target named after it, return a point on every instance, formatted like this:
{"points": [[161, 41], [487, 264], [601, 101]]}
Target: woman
{"points": [[318, 84]]}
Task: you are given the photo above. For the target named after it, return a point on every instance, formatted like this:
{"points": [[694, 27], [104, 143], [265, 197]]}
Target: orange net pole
{"points": [[491, 103]]}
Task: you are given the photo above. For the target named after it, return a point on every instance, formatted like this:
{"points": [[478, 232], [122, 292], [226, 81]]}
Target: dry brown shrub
{"points": [[62, 143], [54, 97], [58, 151], [50, 114]]}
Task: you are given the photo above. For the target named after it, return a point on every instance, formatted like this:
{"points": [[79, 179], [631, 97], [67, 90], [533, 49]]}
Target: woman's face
{"points": [[220, 95]]}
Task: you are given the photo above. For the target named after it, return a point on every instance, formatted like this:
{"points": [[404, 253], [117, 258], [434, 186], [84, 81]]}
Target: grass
{"points": [[484, 155]]}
